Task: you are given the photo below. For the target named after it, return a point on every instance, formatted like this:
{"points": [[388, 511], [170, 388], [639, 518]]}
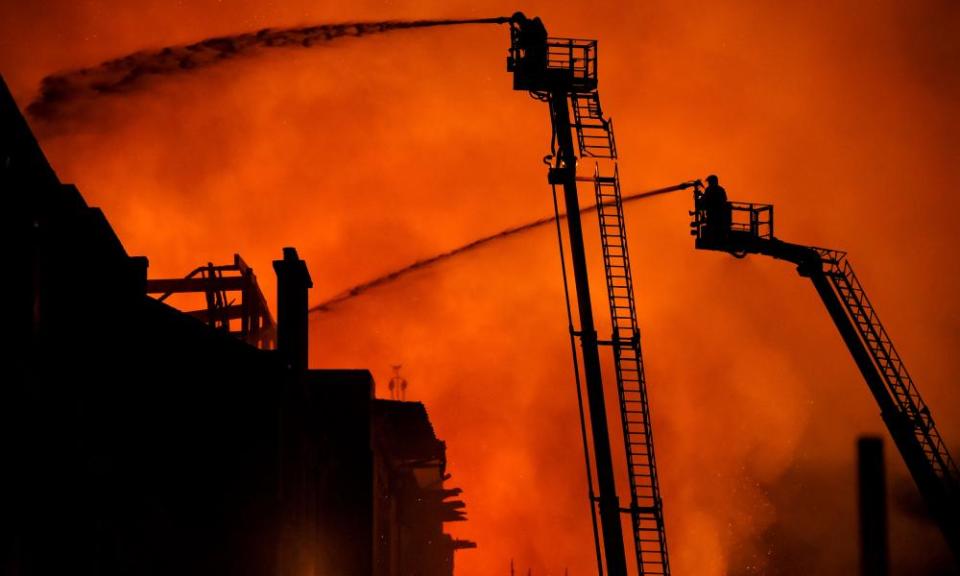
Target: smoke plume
{"points": [[406, 145], [359, 289], [133, 71]]}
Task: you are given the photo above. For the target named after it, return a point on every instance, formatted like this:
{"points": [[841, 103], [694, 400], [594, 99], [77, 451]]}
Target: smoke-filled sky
{"points": [[370, 153]]}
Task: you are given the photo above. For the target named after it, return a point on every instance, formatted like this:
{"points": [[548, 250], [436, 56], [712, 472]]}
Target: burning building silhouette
{"points": [[139, 439]]}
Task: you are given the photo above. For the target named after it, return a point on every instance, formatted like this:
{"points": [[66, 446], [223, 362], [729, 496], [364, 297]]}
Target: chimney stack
{"points": [[293, 281], [871, 479]]}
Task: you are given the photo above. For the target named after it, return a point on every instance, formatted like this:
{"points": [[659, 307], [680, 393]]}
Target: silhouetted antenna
{"points": [[398, 384]]}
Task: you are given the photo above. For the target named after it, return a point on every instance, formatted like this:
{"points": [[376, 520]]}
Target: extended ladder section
{"points": [[887, 362], [906, 415], [562, 73], [594, 132], [646, 509]]}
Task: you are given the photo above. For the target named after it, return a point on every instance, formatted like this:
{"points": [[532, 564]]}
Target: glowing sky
{"points": [[368, 154]]}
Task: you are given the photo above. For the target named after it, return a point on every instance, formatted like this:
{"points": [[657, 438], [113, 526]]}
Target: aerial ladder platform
{"points": [[745, 228], [562, 72]]}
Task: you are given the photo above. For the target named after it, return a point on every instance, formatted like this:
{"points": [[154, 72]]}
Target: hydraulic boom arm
{"points": [[562, 72], [749, 230]]}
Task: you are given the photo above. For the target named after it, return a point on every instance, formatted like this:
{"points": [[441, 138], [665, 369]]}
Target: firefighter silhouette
{"points": [[531, 39], [717, 209]]}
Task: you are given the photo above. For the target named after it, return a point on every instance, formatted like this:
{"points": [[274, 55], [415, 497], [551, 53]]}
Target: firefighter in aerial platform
{"points": [[530, 44], [713, 203]]}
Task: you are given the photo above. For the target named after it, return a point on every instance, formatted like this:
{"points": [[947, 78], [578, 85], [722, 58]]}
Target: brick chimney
{"points": [[293, 281]]}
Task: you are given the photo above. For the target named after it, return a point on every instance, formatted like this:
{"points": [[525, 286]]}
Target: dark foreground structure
{"points": [[138, 439]]}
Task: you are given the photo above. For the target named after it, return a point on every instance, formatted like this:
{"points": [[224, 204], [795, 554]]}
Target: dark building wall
{"points": [[147, 443], [135, 439], [330, 475], [411, 502]]}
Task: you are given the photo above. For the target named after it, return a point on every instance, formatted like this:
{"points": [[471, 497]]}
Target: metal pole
{"points": [[609, 503], [871, 481]]}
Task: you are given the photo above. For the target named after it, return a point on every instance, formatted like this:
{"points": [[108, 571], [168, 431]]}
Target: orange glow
{"points": [[367, 154]]}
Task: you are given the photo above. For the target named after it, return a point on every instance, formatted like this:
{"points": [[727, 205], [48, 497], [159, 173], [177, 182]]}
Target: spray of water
{"points": [[133, 71], [395, 275]]}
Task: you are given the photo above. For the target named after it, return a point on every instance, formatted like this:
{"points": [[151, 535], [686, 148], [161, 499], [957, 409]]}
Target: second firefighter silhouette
{"points": [[716, 209], [530, 39]]}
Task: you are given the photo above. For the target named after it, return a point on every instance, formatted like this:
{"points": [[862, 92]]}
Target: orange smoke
{"points": [[370, 154]]}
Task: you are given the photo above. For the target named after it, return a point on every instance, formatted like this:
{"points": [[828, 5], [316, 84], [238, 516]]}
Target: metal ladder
{"points": [[595, 138], [594, 132], [898, 382]]}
